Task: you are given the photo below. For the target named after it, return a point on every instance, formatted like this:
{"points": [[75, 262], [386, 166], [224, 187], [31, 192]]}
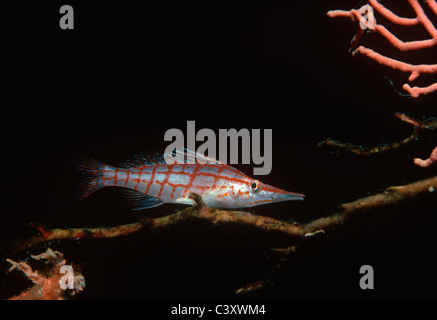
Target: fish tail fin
{"points": [[90, 177]]}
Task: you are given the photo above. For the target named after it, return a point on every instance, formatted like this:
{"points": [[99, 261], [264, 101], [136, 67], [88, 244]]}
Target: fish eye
{"points": [[255, 185]]}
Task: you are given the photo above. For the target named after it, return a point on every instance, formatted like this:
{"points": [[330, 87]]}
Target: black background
{"points": [[130, 71]]}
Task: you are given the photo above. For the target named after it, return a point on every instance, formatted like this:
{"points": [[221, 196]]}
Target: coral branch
{"points": [[393, 17], [391, 196], [299, 232], [254, 286], [418, 128], [367, 21], [428, 162], [47, 285]]}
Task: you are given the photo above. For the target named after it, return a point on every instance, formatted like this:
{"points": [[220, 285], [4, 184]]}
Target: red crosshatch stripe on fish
{"points": [[137, 180], [165, 181], [179, 172], [219, 171], [179, 185], [106, 171], [221, 177], [152, 178], [190, 182], [174, 186], [218, 175], [116, 176]]}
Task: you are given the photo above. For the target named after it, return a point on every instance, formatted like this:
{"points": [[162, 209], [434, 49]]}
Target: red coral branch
{"points": [[428, 162], [367, 21]]}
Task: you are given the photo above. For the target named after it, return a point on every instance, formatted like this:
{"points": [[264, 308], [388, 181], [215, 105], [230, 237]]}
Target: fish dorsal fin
{"points": [[146, 159], [184, 156], [189, 157], [137, 200]]}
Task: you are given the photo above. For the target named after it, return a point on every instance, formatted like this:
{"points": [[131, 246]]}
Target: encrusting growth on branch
{"points": [[47, 284], [298, 232]]}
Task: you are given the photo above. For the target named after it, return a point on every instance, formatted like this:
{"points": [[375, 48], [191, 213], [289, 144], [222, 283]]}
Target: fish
{"points": [[148, 181]]}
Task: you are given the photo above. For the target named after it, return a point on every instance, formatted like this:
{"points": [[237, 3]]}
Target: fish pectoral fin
{"points": [[137, 200]]}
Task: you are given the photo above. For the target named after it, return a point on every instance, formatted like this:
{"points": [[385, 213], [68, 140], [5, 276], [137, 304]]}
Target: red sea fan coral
{"points": [[428, 162], [367, 22]]}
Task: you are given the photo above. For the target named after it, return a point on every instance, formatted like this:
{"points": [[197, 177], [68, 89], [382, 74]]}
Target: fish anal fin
{"points": [[137, 200]]}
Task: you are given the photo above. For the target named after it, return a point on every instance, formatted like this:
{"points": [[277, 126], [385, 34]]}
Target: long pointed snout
{"points": [[270, 194], [287, 196]]}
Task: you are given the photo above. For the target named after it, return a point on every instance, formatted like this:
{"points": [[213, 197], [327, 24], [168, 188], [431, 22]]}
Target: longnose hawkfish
{"points": [[149, 181]]}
